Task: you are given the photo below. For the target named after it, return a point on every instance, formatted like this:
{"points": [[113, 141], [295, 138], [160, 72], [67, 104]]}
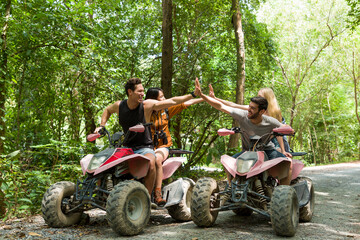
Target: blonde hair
{"points": [[273, 109]]}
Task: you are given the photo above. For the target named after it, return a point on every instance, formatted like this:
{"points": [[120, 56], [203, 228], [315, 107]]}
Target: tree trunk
{"points": [[177, 125], [167, 48], [327, 144], [3, 93], [3, 74], [75, 119], [335, 129], [89, 114], [87, 84], [355, 79], [317, 147], [240, 63], [312, 145], [19, 104]]}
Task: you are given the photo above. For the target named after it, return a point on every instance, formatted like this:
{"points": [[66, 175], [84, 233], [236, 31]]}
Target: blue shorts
{"points": [[143, 151], [167, 148], [270, 153], [274, 154]]}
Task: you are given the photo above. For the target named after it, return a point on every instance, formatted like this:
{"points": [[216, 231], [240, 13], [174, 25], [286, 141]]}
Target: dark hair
{"points": [[131, 83], [261, 102], [153, 93]]}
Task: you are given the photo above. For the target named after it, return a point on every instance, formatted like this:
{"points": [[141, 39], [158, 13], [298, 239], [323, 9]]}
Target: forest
{"points": [[63, 62]]}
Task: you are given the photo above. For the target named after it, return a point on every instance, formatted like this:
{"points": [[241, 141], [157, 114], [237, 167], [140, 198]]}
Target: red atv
{"points": [[255, 188], [113, 183]]}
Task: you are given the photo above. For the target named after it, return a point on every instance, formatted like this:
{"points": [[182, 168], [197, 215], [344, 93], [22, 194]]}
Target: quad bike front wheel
{"points": [[182, 211], [204, 198], [307, 211], [53, 205], [128, 208], [284, 211]]}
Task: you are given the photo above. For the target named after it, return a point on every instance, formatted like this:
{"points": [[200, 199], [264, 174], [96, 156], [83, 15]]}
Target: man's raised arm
{"points": [[212, 101], [216, 104], [159, 105], [227, 103]]}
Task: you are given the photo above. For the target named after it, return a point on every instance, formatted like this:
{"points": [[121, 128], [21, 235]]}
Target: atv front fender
{"points": [[230, 164], [138, 165], [170, 166]]}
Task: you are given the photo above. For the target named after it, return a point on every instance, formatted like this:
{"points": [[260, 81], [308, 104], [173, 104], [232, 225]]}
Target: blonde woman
{"points": [[274, 111]]}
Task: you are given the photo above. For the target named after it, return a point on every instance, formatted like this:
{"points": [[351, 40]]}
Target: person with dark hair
{"points": [[131, 83], [135, 110], [261, 102], [161, 134], [252, 122], [153, 93], [273, 110]]}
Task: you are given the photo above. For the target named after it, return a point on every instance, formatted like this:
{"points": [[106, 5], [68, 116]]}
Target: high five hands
{"points": [[211, 91], [197, 88]]}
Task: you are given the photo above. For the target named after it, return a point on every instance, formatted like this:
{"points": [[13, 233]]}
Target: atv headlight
{"points": [[96, 162], [243, 166]]}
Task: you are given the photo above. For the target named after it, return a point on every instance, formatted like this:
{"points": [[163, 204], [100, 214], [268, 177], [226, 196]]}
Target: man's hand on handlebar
{"points": [[98, 129], [287, 154]]}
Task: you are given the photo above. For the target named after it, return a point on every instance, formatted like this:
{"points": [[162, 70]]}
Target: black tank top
{"points": [[129, 118]]}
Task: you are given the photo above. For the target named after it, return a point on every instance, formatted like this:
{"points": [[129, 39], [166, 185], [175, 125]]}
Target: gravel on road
{"points": [[336, 216]]}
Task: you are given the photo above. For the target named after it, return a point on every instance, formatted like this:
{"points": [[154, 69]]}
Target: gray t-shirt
{"points": [[266, 126]]}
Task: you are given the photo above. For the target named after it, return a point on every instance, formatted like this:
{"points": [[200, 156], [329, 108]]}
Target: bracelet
{"points": [[102, 125], [193, 94]]}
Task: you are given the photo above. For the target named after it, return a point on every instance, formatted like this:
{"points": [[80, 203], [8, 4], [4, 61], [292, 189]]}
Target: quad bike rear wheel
{"points": [[128, 208], [307, 211], [284, 211], [203, 199], [53, 205], [182, 211]]}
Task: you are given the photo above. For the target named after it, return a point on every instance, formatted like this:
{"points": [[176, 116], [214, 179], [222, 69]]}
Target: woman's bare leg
{"points": [[161, 155]]}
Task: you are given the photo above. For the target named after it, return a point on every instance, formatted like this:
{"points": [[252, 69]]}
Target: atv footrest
{"points": [[174, 192]]}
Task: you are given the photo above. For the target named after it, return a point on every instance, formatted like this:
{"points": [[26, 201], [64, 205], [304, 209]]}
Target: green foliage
{"points": [[354, 13], [68, 60], [314, 81], [24, 189]]}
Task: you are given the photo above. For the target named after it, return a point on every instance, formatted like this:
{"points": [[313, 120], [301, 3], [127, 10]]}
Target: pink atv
{"points": [[255, 187], [113, 184]]}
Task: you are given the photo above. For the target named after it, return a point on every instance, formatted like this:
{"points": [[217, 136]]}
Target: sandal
{"points": [[158, 198]]}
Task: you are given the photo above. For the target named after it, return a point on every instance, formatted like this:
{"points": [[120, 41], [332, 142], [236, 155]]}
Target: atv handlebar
{"points": [[92, 137], [298, 154], [103, 131], [225, 132], [281, 131], [137, 128]]}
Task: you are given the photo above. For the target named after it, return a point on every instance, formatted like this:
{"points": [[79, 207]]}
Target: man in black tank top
{"points": [[131, 117], [135, 110]]}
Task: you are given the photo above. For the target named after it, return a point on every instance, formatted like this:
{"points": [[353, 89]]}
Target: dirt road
{"points": [[337, 216]]}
